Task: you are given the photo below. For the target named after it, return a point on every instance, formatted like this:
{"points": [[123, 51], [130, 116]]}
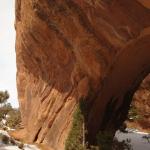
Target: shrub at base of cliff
{"points": [[133, 114], [105, 140], [14, 119], [4, 139], [4, 110], [123, 145], [75, 138]]}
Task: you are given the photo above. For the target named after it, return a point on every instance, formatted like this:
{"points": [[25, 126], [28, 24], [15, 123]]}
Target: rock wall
{"points": [[139, 115], [73, 50]]}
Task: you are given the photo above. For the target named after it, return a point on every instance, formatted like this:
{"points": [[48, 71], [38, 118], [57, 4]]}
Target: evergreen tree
{"points": [[10, 115], [3, 97]]}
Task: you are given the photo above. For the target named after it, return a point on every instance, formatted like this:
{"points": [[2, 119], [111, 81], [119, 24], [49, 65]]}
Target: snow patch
{"points": [[138, 141]]}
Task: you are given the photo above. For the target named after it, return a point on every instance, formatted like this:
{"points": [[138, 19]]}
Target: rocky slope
{"points": [[140, 110], [78, 50]]}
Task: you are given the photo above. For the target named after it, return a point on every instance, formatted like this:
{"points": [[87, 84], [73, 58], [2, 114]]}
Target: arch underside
{"points": [[126, 74], [73, 50]]}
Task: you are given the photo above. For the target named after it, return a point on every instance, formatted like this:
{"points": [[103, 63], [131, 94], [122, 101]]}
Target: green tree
{"points": [[4, 107], [10, 115], [4, 110], [14, 118], [3, 97]]}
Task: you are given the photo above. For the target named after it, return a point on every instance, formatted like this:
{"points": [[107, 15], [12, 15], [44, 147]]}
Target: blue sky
{"points": [[7, 50]]}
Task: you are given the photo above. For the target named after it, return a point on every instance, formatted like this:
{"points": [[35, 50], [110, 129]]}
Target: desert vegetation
{"points": [[9, 117], [104, 141]]}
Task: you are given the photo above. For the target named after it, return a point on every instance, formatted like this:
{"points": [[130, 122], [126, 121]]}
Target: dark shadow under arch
{"points": [[111, 107]]}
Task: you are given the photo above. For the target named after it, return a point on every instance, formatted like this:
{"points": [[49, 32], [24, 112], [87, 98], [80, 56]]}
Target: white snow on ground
{"points": [[137, 140], [11, 147]]}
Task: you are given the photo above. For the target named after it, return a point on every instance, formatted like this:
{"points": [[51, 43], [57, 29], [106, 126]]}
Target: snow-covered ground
{"points": [[10, 147], [138, 141], [15, 147], [136, 137]]}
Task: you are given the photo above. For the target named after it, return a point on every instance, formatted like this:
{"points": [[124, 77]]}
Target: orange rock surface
{"points": [[68, 50], [141, 106]]}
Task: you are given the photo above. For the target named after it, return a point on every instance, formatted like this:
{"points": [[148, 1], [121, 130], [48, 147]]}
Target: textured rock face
{"points": [[140, 107], [73, 50]]}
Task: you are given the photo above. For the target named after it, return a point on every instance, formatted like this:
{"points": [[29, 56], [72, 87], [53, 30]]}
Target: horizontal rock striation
{"points": [[73, 50]]}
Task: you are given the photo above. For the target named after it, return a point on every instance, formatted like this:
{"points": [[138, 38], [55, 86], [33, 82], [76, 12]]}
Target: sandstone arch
{"points": [[128, 71], [97, 51]]}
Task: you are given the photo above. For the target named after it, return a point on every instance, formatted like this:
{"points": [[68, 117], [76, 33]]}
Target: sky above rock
{"points": [[7, 50]]}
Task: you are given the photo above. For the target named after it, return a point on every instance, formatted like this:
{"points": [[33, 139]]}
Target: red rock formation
{"points": [[140, 107], [69, 50]]}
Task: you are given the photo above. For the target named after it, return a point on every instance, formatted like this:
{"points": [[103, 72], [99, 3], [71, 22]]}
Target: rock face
{"points": [[79, 50], [140, 107]]}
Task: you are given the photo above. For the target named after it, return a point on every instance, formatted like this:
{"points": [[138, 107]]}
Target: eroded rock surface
{"points": [[73, 50], [140, 107]]}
